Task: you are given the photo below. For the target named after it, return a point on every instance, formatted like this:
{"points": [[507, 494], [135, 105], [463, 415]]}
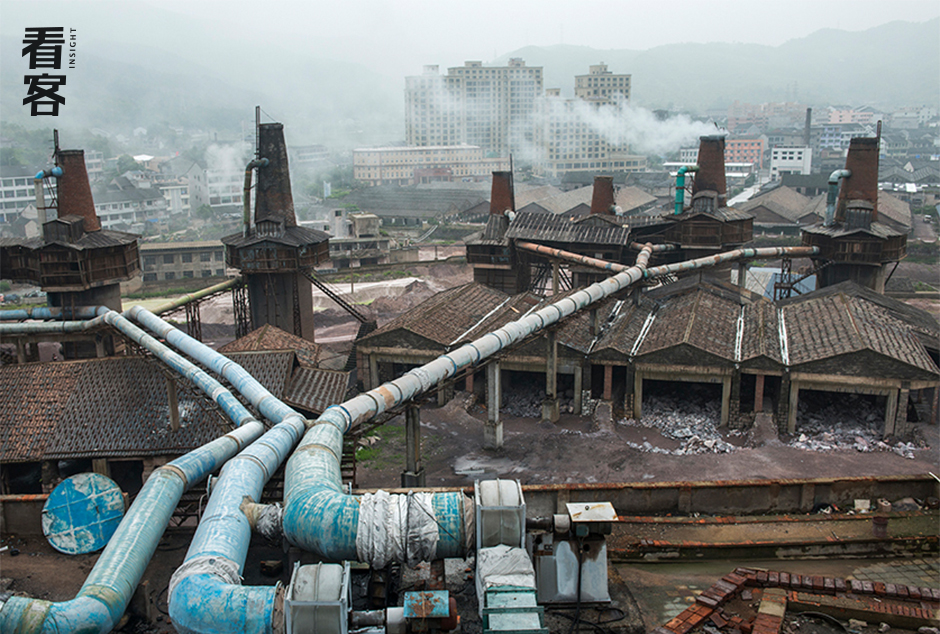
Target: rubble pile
{"points": [[524, 399], [692, 421], [851, 421]]}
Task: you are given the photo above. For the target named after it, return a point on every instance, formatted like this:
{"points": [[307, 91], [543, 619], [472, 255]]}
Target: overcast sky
{"points": [[397, 37]]}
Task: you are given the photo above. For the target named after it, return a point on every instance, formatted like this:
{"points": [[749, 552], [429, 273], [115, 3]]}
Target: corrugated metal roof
{"points": [[315, 390]]}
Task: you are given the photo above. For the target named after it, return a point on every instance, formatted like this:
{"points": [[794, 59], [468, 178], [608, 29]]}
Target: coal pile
{"points": [[690, 419], [844, 422]]}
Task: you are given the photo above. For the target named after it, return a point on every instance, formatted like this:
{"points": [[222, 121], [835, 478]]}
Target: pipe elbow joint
{"points": [[208, 604]]}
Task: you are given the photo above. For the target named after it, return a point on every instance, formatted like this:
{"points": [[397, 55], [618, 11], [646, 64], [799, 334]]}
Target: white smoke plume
{"points": [[230, 158]]}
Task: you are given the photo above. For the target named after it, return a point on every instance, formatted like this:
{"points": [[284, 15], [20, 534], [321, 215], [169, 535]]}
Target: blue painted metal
{"points": [[430, 604], [108, 589], [82, 513], [680, 187], [833, 194]]}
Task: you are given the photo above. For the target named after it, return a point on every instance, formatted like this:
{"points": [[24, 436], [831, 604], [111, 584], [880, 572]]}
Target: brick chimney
{"points": [[273, 199], [602, 202], [74, 191], [501, 195], [862, 185], [711, 168]]}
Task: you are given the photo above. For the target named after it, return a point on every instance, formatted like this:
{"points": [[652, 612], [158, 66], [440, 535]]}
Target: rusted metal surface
{"points": [[434, 604], [594, 230], [862, 185], [501, 194], [74, 190], [602, 199]]}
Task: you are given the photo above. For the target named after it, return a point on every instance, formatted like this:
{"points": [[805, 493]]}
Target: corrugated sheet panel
{"points": [[560, 228]]}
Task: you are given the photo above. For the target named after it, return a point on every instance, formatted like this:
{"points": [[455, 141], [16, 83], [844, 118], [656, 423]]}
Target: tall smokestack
{"points": [[806, 126], [602, 202], [711, 167], [862, 185], [273, 199], [501, 195], [74, 191]]}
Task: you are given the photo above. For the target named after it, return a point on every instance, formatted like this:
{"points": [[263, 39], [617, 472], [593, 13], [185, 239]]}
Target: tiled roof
{"points": [[270, 337], [447, 315], [822, 327], [494, 233], [315, 390], [877, 229], [592, 229], [783, 201], [295, 236], [31, 399], [761, 337], [271, 368]]}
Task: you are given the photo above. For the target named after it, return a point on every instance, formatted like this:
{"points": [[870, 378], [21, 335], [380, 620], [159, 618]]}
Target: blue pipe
{"points": [[101, 602], [833, 195], [680, 187], [46, 312]]}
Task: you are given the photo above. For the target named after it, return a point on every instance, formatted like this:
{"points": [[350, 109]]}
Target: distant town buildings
{"points": [[472, 104], [790, 160], [424, 164]]}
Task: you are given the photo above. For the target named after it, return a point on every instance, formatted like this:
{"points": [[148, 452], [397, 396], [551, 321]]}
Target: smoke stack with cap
{"points": [[273, 199], [74, 191], [501, 195], [862, 185], [711, 168], [602, 202]]}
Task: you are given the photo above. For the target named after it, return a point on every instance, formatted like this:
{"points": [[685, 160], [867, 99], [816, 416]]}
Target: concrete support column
{"points": [[99, 347], [578, 388], [638, 395], [468, 383], [493, 428], [413, 475], [373, 372], [50, 475], [742, 274], [555, 277], [100, 465], [792, 405], [608, 382], [759, 393], [891, 412], [173, 402], [904, 397], [550, 404], [20, 351], [628, 390], [444, 393], [725, 401]]}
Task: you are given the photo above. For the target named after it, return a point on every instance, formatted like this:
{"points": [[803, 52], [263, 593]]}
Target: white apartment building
{"points": [[409, 165], [472, 104], [790, 160], [16, 191], [600, 85]]}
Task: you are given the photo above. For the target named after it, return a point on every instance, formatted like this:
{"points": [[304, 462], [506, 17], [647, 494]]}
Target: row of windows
{"points": [[170, 258], [170, 275]]}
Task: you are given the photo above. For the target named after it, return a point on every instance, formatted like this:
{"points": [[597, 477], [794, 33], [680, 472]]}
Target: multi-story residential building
{"points": [[741, 116], [16, 191], [472, 104], [161, 261], [126, 207], [176, 192], [413, 165], [602, 86], [790, 160], [845, 114], [745, 150], [309, 154]]}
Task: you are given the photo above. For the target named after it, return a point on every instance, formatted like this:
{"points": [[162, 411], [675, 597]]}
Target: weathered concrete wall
{"points": [[21, 514]]}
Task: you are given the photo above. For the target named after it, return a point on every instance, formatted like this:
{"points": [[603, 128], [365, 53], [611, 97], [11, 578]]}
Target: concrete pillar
{"points": [[550, 404], [792, 402], [555, 277], [608, 382], [578, 388], [725, 401], [373, 372], [20, 351], [638, 395], [900, 427], [759, 393], [173, 402], [100, 465], [50, 475], [891, 412], [628, 390], [413, 476], [742, 274], [468, 383], [99, 347], [444, 393], [493, 428]]}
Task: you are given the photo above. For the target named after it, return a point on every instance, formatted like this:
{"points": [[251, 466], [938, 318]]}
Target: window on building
{"points": [[220, 272], [187, 258], [150, 260], [205, 256], [206, 273], [188, 274], [169, 275], [168, 259]]}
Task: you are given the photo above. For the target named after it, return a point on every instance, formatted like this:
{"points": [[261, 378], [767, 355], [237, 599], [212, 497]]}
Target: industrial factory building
{"points": [[595, 305]]}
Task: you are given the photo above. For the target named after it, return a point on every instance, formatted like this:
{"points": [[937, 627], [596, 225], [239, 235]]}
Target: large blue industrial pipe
{"points": [[103, 598], [680, 187], [45, 312]]}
